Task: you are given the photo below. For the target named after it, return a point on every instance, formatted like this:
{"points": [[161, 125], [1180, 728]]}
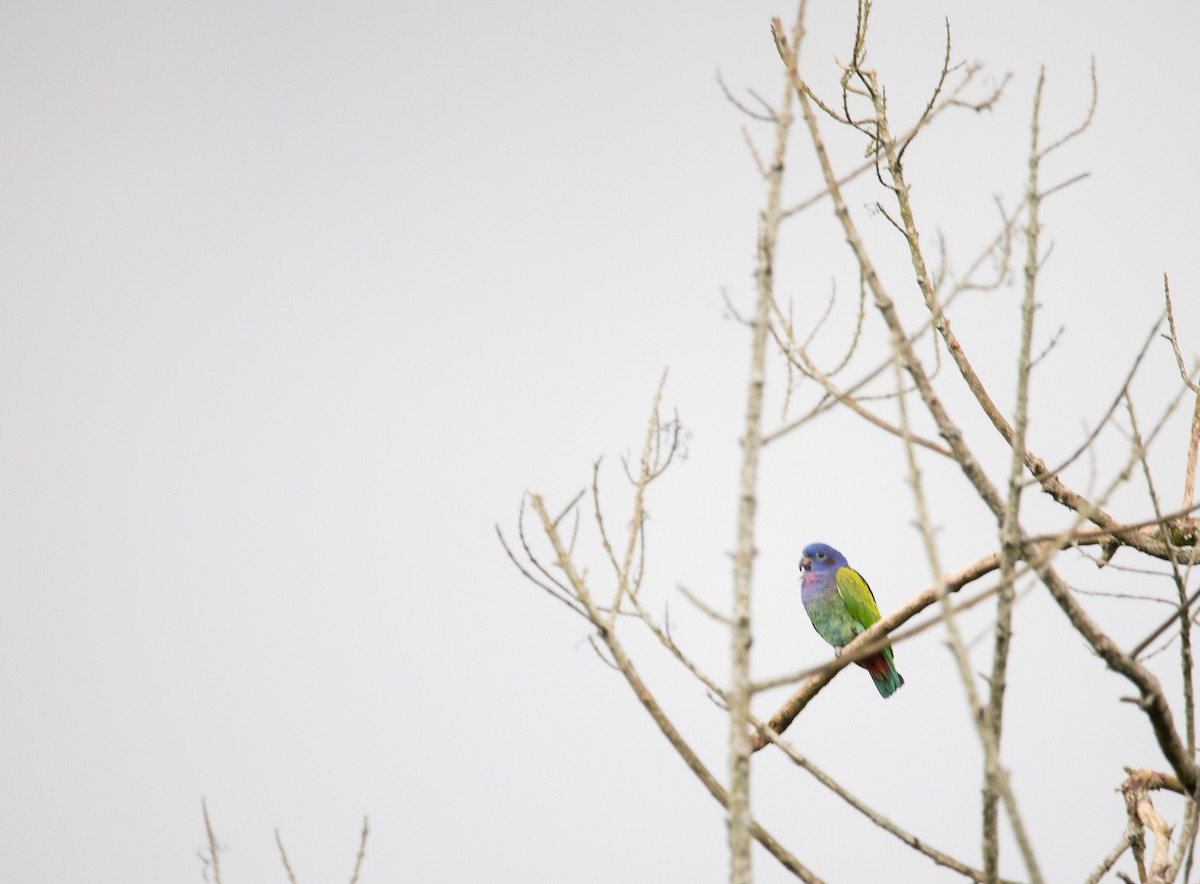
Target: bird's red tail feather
{"points": [[883, 673]]}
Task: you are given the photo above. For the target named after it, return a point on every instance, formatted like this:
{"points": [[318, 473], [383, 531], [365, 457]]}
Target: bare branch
{"points": [[939, 857], [1063, 185], [703, 608], [738, 695], [886, 307], [664, 638], [214, 852], [951, 101], [1087, 121], [591, 640], [766, 118], [1136, 791], [362, 850], [1091, 437], [1054, 339], [1127, 838], [287, 866], [529, 554], [733, 311], [625, 665], [646, 474], [1185, 632], [1174, 338], [986, 721], [1152, 701], [1187, 840], [1189, 477], [937, 90], [599, 513], [570, 506], [1145, 643], [758, 163], [566, 600], [1010, 526]]}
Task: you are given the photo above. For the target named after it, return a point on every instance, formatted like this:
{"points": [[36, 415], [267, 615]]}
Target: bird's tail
{"points": [[883, 672]]}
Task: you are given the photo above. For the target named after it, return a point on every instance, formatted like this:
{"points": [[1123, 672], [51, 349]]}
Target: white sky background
{"points": [[296, 299]]}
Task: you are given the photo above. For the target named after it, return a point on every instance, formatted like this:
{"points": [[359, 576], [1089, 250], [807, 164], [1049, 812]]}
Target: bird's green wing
{"points": [[859, 599]]}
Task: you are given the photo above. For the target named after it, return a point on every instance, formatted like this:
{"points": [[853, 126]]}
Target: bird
{"points": [[841, 605]]}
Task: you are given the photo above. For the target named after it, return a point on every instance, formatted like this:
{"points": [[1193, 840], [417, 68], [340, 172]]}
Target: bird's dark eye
{"points": [[820, 555]]}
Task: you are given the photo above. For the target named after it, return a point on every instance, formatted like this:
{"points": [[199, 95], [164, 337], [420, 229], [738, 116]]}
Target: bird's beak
{"points": [[805, 563]]}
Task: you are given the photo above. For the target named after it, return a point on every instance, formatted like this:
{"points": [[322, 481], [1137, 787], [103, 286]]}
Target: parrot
{"points": [[841, 605]]}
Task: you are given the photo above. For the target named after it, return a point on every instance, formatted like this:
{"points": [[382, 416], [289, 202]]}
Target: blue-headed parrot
{"points": [[841, 605]]}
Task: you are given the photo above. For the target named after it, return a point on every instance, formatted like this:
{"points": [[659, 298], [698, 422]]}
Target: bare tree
{"points": [[907, 381]]}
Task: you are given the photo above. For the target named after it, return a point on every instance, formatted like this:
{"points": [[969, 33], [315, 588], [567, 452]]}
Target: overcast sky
{"points": [[296, 299]]}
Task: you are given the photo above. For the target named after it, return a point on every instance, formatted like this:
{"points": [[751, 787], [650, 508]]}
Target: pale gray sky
{"points": [[297, 298]]}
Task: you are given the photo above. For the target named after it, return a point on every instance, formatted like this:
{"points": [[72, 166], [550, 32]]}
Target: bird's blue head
{"points": [[821, 557]]}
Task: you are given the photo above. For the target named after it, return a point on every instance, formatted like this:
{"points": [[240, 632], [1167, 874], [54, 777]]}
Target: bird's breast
{"points": [[813, 587], [826, 609]]}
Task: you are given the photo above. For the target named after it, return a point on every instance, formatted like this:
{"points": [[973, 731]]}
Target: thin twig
{"points": [[1063, 185], [570, 506], [287, 866], [1087, 120], [1189, 476], [1107, 416], [362, 851], [767, 118], [1174, 337], [213, 851], [566, 600], [937, 90], [646, 474], [701, 606]]}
